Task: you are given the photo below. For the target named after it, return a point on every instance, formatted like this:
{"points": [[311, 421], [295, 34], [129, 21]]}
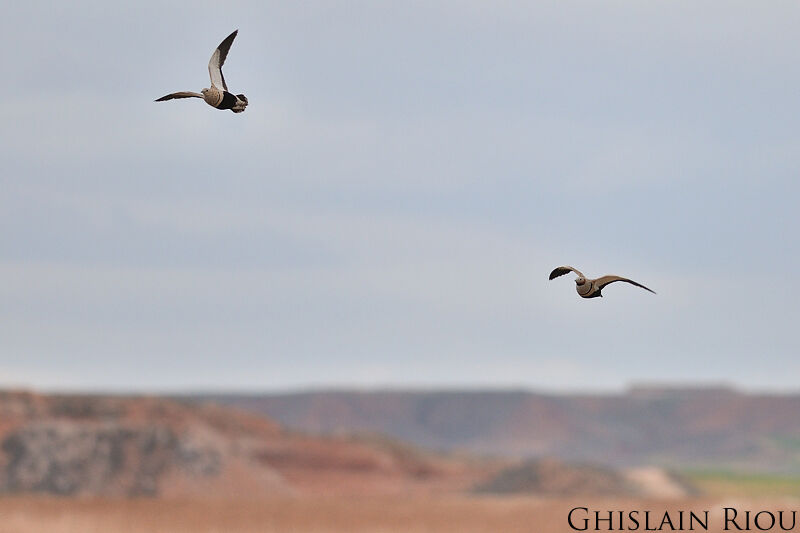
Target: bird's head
{"points": [[580, 280], [204, 91]]}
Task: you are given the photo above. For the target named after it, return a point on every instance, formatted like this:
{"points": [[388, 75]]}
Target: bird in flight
{"points": [[590, 288], [217, 95]]}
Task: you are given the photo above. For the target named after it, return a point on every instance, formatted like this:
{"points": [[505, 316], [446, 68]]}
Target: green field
{"points": [[731, 483]]}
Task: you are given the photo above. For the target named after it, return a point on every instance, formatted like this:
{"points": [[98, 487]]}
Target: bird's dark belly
{"points": [[228, 101]]}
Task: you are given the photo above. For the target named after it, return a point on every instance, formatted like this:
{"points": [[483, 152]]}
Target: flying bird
{"points": [[590, 288], [217, 95]]}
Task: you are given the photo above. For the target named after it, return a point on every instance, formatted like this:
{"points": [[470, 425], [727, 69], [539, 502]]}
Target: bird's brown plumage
{"points": [[591, 288], [605, 280], [560, 271], [181, 94]]}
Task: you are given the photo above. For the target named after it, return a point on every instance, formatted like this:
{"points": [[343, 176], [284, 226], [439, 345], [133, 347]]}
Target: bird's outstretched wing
{"points": [[605, 280], [560, 271], [218, 59], [182, 94]]}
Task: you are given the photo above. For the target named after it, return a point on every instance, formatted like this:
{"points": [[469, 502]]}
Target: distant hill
{"points": [[671, 427], [144, 446], [551, 477]]}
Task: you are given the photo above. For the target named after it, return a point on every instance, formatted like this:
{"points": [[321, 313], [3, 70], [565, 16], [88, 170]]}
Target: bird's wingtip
{"points": [[558, 271]]}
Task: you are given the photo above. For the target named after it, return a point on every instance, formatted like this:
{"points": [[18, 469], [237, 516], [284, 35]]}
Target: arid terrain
{"points": [[678, 427], [352, 515], [144, 446], [86, 464]]}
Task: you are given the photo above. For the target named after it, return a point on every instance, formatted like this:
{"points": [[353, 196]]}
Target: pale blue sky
{"points": [[388, 208]]}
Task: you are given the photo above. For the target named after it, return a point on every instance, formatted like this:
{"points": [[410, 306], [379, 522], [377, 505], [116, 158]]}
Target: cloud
{"points": [[390, 204]]}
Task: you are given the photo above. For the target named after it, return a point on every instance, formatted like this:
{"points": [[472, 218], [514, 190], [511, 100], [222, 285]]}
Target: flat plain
{"points": [[464, 514]]}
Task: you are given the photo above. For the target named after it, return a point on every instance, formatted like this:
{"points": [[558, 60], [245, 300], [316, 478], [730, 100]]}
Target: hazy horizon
{"points": [[212, 390]]}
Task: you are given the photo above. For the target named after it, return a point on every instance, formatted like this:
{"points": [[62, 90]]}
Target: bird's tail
{"points": [[241, 103]]}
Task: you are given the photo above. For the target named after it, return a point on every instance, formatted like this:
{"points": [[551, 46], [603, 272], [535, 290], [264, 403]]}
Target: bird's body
{"points": [[591, 288], [224, 100], [217, 95]]}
